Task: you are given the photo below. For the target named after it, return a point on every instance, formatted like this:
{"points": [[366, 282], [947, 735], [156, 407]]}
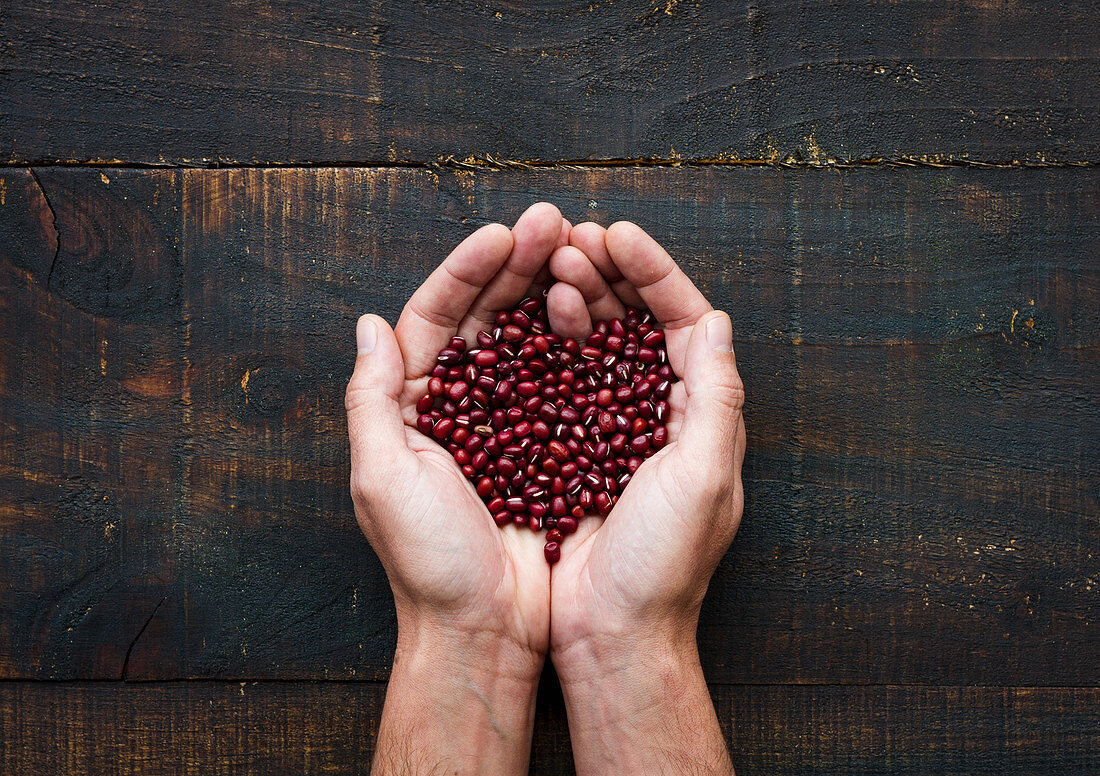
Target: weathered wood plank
{"points": [[359, 82], [90, 379], [920, 353], [287, 727]]}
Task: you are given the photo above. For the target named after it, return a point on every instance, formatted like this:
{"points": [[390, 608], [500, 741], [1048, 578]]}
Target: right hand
{"points": [[646, 567]]}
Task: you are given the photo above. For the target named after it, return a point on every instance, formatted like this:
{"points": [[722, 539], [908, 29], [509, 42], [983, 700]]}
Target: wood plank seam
{"points": [[494, 163]]}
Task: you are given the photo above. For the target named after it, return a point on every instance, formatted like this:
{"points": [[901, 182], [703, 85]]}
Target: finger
{"points": [[715, 396], [534, 237], [662, 285], [375, 426], [589, 239], [571, 266], [563, 238], [435, 310], [567, 311], [543, 279]]}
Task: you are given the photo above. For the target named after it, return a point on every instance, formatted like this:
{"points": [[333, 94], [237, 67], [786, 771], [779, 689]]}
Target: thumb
{"points": [[715, 395], [375, 425]]}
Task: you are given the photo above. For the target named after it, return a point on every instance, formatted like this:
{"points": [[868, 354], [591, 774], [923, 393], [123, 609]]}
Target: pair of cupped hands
{"points": [[628, 584]]}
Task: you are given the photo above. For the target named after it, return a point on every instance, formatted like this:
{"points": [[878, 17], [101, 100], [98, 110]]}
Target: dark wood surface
{"points": [[914, 588], [290, 727], [346, 81]]}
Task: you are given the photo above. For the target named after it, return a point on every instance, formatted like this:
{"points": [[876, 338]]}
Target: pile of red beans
{"points": [[550, 429]]}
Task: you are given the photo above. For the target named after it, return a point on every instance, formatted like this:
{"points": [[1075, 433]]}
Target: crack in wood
{"points": [[56, 230], [137, 638]]}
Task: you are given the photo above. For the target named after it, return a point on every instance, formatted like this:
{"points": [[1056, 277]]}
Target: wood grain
{"points": [[919, 349], [325, 727], [295, 82]]}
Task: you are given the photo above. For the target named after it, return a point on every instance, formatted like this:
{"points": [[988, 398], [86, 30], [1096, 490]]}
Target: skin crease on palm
{"points": [[647, 565]]}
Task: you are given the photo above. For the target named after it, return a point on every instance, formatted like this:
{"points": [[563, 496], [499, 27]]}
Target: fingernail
{"points": [[366, 335], [720, 333]]}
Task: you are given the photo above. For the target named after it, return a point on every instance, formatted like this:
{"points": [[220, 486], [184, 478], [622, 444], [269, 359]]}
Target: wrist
{"points": [[434, 646], [639, 658], [638, 703], [588, 641], [466, 698]]}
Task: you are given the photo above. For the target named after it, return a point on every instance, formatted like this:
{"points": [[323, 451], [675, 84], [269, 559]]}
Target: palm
{"points": [[618, 565], [439, 543], [640, 557], [458, 556]]}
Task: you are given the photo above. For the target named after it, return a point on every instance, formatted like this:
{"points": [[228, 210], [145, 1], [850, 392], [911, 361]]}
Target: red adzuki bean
{"points": [[548, 429]]}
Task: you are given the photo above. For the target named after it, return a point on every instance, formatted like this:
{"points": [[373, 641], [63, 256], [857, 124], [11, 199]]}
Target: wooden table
{"points": [[896, 202]]}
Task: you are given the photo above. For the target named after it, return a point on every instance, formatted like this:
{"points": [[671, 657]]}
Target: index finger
{"points": [[666, 290], [435, 310], [588, 238], [534, 236]]}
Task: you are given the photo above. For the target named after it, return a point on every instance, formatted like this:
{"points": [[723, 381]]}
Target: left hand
{"points": [[473, 600]]}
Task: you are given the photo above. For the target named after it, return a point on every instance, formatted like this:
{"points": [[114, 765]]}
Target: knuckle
{"points": [[361, 392], [352, 397], [724, 502], [416, 308], [729, 392], [361, 489], [720, 491], [722, 482], [357, 390], [373, 483]]}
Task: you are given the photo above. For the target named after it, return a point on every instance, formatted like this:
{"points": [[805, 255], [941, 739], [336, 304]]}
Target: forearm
{"points": [[640, 706], [457, 703]]}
